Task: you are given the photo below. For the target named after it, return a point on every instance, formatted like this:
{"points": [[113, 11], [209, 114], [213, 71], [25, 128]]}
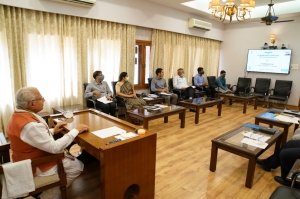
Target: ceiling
{"points": [[284, 9]]}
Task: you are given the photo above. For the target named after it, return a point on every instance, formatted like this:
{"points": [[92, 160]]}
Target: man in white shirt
{"points": [[30, 137], [179, 82]]}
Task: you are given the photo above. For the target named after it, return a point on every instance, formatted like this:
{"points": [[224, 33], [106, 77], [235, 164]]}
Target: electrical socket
{"points": [[294, 66]]}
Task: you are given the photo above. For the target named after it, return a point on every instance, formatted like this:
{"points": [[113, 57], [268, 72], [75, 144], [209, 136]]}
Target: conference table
{"points": [[127, 168]]}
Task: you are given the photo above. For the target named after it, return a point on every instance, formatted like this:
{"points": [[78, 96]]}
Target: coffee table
{"points": [[202, 102], [243, 97], [231, 142], [146, 116], [73, 108], [268, 117]]}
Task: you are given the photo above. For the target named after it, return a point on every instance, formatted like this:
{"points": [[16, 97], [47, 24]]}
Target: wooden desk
{"points": [[122, 164], [231, 142], [72, 108], [245, 98], [202, 102]]}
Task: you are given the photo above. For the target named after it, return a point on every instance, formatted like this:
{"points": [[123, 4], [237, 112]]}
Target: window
{"points": [[142, 64]]}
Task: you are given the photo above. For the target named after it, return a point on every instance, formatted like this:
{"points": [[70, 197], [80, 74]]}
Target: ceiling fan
{"points": [[271, 17]]}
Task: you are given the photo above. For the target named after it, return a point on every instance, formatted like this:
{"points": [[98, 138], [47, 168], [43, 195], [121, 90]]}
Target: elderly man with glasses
{"points": [[30, 137]]}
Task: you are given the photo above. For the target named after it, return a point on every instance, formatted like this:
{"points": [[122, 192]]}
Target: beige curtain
{"points": [[57, 54], [171, 51]]}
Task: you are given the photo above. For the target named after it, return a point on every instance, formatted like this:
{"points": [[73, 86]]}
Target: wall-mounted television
{"points": [[269, 61]]}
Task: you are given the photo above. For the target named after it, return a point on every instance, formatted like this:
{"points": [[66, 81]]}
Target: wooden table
{"points": [[146, 116], [202, 102], [268, 118], [129, 163], [73, 108], [231, 142], [246, 98]]}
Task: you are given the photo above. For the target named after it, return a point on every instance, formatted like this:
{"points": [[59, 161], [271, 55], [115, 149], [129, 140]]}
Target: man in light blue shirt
{"points": [[179, 82], [200, 83], [159, 85], [221, 83], [98, 89]]}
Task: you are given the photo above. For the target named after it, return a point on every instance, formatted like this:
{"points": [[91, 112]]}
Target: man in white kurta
{"points": [[37, 135]]}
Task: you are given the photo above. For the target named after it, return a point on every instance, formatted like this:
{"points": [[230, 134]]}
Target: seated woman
{"points": [[125, 89]]}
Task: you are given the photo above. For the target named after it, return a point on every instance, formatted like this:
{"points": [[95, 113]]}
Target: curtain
{"points": [[171, 51], [57, 54]]}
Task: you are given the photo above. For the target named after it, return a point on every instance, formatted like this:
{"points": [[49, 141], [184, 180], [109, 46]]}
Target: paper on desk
{"points": [[104, 133], [125, 136], [104, 100], [283, 118], [164, 93], [256, 136], [255, 143], [148, 98], [152, 96], [160, 105]]}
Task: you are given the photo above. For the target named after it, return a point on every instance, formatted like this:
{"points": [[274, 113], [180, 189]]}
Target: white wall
{"points": [[135, 12], [239, 37]]}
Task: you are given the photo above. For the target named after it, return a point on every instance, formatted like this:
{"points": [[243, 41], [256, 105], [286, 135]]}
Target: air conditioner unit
{"points": [[85, 3], [198, 24]]}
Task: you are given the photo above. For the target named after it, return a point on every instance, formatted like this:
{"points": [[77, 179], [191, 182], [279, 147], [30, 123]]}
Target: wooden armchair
{"points": [[41, 183]]}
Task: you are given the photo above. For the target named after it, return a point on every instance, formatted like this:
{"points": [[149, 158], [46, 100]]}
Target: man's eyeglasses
{"points": [[42, 98]]}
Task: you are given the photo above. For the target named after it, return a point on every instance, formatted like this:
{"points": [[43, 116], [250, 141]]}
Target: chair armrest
{"points": [[294, 177], [247, 88], [270, 91], [37, 161], [199, 88], [120, 99], [94, 103], [231, 88], [176, 90]]}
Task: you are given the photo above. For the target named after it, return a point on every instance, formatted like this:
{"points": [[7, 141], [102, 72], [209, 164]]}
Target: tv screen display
{"points": [[269, 61]]}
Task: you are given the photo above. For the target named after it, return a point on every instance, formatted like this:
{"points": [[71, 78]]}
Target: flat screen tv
{"points": [[269, 61]]}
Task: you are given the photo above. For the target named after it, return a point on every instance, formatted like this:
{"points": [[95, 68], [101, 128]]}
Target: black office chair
{"points": [[174, 90], [199, 90], [120, 100], [243, 85], [261, 88], [287, 192], [89, 101], [149, 84], [281, 91]]}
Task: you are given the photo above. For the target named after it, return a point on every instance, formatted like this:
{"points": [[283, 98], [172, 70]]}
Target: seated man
{"points": [[98, 89], [221, 83], [285, 158], [159, 86], [200, 83], [30, 137], [179, 82]]}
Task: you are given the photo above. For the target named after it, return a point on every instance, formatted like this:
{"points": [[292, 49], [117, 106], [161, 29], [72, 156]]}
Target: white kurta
{"points": [[36, 135]]}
